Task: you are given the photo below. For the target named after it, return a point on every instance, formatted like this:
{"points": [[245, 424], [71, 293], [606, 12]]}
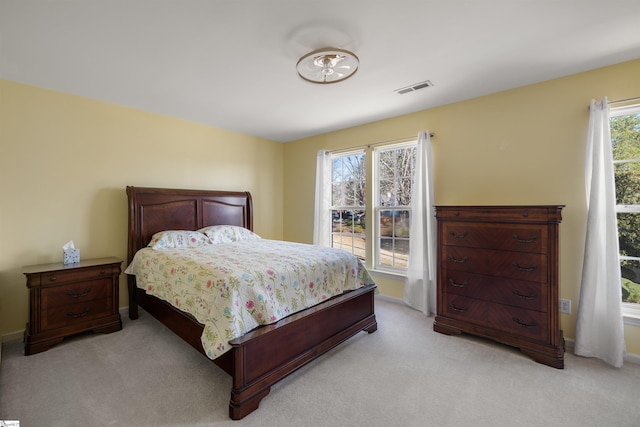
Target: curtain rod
{"points": [[620, 101], [376, 144], [637, 98]]}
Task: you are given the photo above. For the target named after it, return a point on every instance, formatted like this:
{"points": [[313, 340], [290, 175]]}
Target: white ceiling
{"points": [[231, 63]]}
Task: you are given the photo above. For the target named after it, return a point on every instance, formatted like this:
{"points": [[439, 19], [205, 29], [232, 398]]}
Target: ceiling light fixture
{"points": [[327, 65]]}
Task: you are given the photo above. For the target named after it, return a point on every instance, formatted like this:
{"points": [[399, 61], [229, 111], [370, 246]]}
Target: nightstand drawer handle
{"points": [[521, 268], [458, 260], [458, 236], [78, 295], [453, 307], [102, 272], [530, 240], [456, 284], [518, 294], [81, 314], [525, 325], [53, 278]]}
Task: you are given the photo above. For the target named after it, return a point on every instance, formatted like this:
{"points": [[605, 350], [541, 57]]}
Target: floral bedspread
{"points": [[231, 288]]}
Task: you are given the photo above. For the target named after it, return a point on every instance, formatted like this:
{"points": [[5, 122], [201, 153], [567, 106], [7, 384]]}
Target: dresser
{"points": [[68, 299], [498, 276]]}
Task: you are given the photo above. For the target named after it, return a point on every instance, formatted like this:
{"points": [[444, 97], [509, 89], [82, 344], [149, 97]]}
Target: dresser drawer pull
{"points": [[530, 240], [81, 314], [458, 236], [524, 325], [78, 295], [458, 260], [53, 278], [521, 268], [456, 284], [518, 294], [453, 307]]}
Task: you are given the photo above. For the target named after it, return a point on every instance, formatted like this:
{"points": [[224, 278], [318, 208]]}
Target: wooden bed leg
{"points": [[133, 303], [239, 410], [371, 328]]}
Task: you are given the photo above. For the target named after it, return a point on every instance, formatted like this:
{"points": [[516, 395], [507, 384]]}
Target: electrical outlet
{"points": [[565, 306]]}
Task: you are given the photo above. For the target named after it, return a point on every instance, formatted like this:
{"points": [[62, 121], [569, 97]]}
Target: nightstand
{"points": [[65, 300]]}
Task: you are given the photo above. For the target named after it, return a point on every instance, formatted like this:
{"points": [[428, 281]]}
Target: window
{"points": [[388, 189], [625, 140], [348, 191], [394, 175]]}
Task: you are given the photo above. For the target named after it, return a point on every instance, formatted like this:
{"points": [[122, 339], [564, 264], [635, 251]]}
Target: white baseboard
{"points": [[389, 299]]}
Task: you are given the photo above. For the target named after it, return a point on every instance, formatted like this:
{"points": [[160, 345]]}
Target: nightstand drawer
{"points": [[78, 292], [78, 275], [72, 314]]}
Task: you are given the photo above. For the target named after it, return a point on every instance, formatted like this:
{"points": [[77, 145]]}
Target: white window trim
{"points": [[631, 313]]}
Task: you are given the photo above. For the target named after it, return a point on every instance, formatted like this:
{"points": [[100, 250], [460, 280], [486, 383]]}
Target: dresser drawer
{"points": [[77, 275], [514, 265], [76, 293], [466, 309], [516, 293], [508, 237], [72, 314], [520, 322]]}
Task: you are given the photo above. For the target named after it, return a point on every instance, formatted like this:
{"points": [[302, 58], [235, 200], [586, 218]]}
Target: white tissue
{"points": [[68, 245]]}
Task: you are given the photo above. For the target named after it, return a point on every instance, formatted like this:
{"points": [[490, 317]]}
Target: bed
{"points": [[289, 344]]}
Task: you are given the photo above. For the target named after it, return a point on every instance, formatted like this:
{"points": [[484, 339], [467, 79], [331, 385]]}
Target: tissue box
{"points": [[71, 256]]}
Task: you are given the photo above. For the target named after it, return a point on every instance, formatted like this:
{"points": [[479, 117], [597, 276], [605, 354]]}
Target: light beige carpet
{"points": [[402, 375]]}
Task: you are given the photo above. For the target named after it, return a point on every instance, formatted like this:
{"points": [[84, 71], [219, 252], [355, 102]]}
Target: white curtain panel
{"points": [[599, 328], [419, 288], [322, 214]]}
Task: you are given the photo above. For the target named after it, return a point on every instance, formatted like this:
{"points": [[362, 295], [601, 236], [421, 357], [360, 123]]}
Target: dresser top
{"points": [[497, 213], [58, 266]]}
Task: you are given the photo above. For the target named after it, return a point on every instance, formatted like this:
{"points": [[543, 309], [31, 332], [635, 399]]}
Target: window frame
{"points": [[630, 311], [333, 207], [377, 208], [371, 208]]}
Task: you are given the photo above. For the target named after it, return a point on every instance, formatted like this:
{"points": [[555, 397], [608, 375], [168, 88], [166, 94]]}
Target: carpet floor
{"points": [[405, 374]]}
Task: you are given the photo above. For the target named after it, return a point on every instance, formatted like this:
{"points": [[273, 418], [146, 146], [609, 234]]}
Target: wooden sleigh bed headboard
{"points": [[158, 209], [290, 343]]}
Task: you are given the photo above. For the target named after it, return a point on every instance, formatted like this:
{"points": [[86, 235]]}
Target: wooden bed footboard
{"points": [[265, 356], [268, 354]]}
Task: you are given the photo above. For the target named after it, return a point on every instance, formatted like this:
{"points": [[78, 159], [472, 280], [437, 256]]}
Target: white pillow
{"points": [[171, 239], [227, 233]]}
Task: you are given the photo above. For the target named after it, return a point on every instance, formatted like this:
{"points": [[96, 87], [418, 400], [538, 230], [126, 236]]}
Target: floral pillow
{"points": [[172, 239], [227, 233]]}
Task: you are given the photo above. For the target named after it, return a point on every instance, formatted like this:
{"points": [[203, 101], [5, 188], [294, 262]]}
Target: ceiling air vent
{"points": [[414, 87]]}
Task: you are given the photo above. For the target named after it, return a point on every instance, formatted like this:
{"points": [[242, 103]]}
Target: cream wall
{"points": [[64, 165], [522, 146]]}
